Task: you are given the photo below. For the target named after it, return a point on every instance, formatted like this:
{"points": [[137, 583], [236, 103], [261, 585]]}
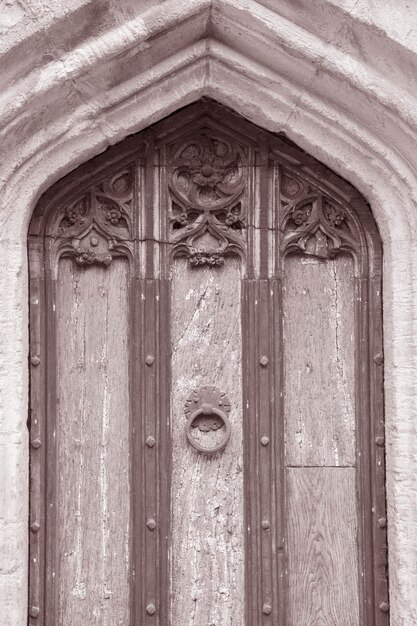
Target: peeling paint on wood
{"points": [[93, 442], [207, 491], [319, 357]]}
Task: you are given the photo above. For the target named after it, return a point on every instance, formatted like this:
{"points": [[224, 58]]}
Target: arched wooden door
{"points": [[207, 439]]}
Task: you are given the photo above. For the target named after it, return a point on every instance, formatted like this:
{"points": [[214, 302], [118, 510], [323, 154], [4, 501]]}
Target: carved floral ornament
{"points": [[91, 227], [208, 190], [206, 186], [318, 226]]}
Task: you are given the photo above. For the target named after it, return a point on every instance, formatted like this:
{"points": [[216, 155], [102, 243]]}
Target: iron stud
{"points": [[384, 606], [151, 609], [36, 443], [265, 441], [34, 611], [35, 527], [267, 609], [149, 359], [264, 360], [35, 360], [151, 524], [379, 441], [150, 441]]}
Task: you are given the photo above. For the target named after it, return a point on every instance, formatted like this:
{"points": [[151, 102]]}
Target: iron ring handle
{"points": [[195, 444]]}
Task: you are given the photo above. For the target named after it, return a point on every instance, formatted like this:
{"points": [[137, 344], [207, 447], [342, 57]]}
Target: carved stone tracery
{"points": [[207, 184]]}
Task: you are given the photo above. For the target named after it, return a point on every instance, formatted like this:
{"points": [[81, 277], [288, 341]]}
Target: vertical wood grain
{"points": [[37, 433], [322, 547], [151, 451], [93, 451], [377, 428], [263, 453], [319, 357], [207, 491]]}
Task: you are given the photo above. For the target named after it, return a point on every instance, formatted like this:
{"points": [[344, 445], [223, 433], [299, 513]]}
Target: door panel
{"points": [[207, 490], [320, 440], [319, 361], [322, 546], [206, 284], [93, 516]]}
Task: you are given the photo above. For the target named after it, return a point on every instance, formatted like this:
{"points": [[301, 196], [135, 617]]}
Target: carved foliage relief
{"points": [[210, 189], [312, 222], [99, 224], [207, 201]]}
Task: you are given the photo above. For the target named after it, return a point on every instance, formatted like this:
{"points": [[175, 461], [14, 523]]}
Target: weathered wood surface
{"points": [[93, 446], [322, 547], [207, 492], [319, 400]]}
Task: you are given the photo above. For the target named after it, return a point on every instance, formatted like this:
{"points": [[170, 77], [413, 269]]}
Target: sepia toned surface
{"points": [[346, 77], [206, 258], [93, 511], [322, 547], [207, 491], [319, 358], [320, 435]]}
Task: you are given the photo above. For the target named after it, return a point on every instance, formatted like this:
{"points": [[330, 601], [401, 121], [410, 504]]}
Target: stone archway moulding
{"points": [[280, 71]]}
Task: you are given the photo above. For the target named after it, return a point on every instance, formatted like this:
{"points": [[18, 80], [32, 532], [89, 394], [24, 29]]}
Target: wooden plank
{"points": [[264, 454], [322, 547], [319, 395], [207, 491], [37, 435], [93, 516], [152, 452], [364, 436], [377, 474]]}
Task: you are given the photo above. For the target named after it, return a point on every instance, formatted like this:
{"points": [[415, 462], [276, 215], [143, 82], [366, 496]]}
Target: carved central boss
{"points": [[206, 186]]}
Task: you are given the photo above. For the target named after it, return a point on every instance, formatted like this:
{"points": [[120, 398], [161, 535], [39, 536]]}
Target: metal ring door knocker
{"points": [[207, 409]]}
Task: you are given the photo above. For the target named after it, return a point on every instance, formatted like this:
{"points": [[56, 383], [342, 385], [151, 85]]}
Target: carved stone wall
{"points": [[339, 78]]}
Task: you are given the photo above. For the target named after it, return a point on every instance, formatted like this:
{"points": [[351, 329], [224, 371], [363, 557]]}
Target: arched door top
{"points": [[204, 151]]}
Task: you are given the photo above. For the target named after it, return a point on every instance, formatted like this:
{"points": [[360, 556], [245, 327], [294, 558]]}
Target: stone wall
{"points": [[336, 76]]}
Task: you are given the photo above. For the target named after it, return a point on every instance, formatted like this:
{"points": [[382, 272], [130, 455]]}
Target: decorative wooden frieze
{"points": [[316, 225], [291, 187], [207, 212], [95, 227], [92, 249]]}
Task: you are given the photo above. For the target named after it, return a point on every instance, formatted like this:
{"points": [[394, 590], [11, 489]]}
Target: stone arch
{"points": [[323, 96]]}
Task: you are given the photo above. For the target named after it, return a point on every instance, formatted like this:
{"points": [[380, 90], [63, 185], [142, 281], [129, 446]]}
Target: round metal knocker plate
{"points": [[207, 409]]}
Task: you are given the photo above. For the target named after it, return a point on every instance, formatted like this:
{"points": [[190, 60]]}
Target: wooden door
{"points": [[207, 435]]}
